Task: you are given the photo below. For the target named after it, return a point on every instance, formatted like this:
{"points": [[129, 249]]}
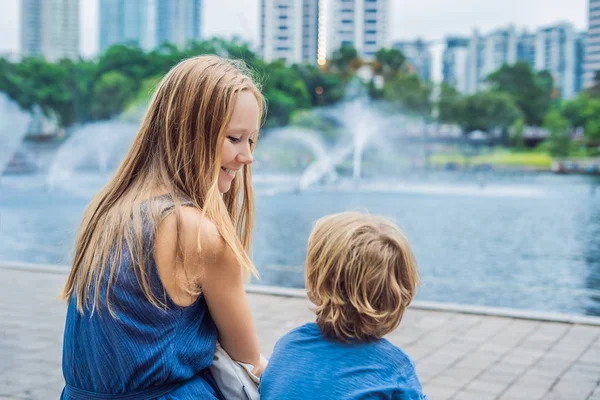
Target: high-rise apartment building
{"points": [[454, 62], [291, 30], [592, 45], [499, 48], [580, 45], [362, 24], [555, 52], [50, 28], [178, 21], [418, 56], [126, 22], [557, 49], [487, 53], [526, 48]]}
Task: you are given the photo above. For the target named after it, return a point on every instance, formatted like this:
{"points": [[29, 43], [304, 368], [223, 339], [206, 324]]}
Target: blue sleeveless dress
{"points": [[146, 353]]}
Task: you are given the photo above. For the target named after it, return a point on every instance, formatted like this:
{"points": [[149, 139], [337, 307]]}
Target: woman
{"points": [[161, 255]]}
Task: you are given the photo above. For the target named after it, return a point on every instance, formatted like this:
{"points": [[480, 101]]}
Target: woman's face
{"points": [[240, 136]]}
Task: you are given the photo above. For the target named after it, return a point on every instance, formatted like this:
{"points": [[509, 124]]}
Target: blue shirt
{"points": [[306, 365]]}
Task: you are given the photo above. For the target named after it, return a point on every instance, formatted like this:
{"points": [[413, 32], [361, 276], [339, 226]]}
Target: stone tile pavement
{"points": [[459, 356]]}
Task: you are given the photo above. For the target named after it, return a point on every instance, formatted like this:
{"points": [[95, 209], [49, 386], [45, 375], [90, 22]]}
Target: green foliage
{"points": [[584, 111], [345, 61], [284, 90], [412, 94], [487, 111], [80, 91], [324, 88], [531, 92], [516, 135], [389, 61], [559, 140], [111, 93], [449, 104]]}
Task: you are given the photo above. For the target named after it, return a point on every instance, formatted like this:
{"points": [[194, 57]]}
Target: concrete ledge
{"points": [[421, 305]]}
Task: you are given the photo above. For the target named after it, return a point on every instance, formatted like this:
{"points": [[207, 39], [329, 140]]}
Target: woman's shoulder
{"points": [[190, 225]]}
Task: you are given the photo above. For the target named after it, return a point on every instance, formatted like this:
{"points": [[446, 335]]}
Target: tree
{"points": [[584, 112], [559, 139], [388, 61], [81, 91], [575, 110], [531, 92], [592, 122], [285, 91], [516, 135], [448, 104], [111, 94], [594, 90], [345, 61], [487, 111], [130, 61], [412, 94], [323, 87]]}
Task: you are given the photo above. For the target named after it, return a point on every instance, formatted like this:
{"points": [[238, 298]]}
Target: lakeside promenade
{"points": [[461, 353]]}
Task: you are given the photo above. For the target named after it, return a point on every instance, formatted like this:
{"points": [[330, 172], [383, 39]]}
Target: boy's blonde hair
{"points": [[361, 274]]}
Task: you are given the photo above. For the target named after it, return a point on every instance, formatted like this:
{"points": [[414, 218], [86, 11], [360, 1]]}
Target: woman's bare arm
{"points": [[222, 283]]}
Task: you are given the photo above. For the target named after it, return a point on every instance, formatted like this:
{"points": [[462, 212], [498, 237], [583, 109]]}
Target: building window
{"points": [[346, 21], [370, 21], [283, 28], [283, 17], [282, 37]]}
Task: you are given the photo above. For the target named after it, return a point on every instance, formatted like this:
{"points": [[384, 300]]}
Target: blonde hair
{"points": [[177, 147], [361, 274]]}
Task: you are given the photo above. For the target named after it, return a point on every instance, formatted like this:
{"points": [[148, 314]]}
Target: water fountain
{"points": [[94, 149], [13, 128], [364, 125]]}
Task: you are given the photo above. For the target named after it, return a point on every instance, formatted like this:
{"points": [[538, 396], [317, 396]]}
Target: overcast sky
{"points": [[430, 19]]}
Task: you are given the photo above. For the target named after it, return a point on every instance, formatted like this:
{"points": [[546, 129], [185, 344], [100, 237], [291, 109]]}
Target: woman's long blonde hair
{"points": [[177, 148]]}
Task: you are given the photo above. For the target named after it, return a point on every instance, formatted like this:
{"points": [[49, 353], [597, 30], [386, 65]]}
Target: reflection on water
{"points": [[524, 241]]}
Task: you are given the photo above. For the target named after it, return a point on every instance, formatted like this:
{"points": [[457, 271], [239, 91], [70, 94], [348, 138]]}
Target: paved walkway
{"points": [[458, 356]]}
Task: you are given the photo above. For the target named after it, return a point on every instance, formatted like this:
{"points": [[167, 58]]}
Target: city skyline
{"points": [[407, 18]]}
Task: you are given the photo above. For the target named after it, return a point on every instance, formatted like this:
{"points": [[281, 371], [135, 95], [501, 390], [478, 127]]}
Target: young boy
{"points": [[361, 275]]}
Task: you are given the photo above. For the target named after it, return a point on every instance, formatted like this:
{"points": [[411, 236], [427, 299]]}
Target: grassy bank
{"points": [[498, 158]]}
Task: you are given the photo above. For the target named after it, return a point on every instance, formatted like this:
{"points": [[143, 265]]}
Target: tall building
{"points": [[362, 24], [499, 48], [555, 52], [580, 43], [289, 30], [557, 49], [487, 53], [126, 22], [526, 48], [178, 21], [592, 46], [475, 79], [418, 55], [454, 63], [50, 28]]}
